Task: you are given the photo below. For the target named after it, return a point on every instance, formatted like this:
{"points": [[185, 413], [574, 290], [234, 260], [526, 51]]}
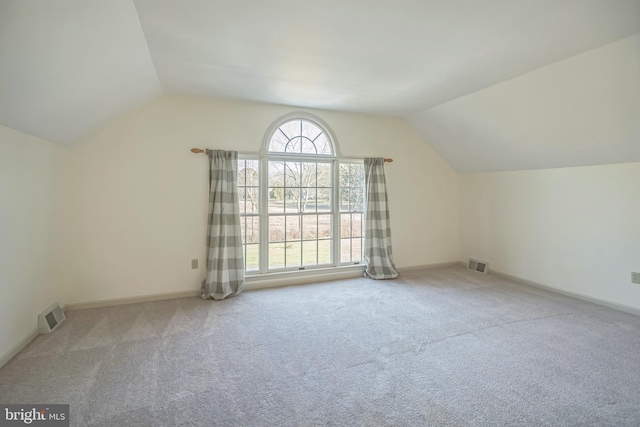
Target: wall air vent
{"points": [[479, 266], [50, 319]]}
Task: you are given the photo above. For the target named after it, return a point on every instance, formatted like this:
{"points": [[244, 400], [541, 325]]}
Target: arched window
{"points": [[310, 213], [300, 136]]}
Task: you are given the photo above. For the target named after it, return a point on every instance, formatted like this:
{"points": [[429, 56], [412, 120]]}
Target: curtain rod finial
{"points": [[197, 150]]}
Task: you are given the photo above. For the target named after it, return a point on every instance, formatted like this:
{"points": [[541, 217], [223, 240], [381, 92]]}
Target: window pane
{"points": [[322, 145], [356, 174], [243, 228], [292, 174], [345, 250], [276, 200], [310, 130], [310, 252], [293, 227], [293, 252], [344, 199], [291, 128], [324, 226], [309, 196], [308, 147], [356, 250], [242, 199], [324, 200], [357, 179], [251, 173], [292, 200], [252, 258], [307, 200], [357, 199], [356, 225], [241, 173], [351, 250], [324, 251], [345, 225], [278, 141], [251, 200], [295, 145], [276, 255], [252, 229], [344, 174], [286, 137], [324, 175], [276, 174], [351, 187], [255, 165], [308, 174], [309, 227], [276, 228]]}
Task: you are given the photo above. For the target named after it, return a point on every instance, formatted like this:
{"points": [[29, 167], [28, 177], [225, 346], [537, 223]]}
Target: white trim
{"points": [[129, 300], [260, 281], [288, 278], [5, 358], [336, 225], [610, 304], [427, 266]]}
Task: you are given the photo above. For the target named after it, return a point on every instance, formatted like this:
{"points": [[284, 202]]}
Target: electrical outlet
{"points": [[194, 264], [635, 277]]}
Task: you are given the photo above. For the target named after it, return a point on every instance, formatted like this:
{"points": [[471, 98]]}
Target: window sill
{"points": [[288, 278]]}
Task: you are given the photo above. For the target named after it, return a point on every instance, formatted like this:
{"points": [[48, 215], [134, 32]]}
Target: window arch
{"points": [[302, 134]]}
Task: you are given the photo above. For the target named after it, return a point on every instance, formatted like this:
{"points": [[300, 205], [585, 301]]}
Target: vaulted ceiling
{"points": [[69, 66]]}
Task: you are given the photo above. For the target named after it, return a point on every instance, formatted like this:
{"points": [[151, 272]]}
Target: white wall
{"points": [[574, 229], [140, 196], [31, 197]]}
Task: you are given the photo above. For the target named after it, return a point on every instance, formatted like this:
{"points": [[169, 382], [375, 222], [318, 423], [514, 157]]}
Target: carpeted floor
{"points": [[442, 347]]}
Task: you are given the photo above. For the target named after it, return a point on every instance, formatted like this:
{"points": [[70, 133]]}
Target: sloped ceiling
{"points": [[69, 66], [582, 111]]}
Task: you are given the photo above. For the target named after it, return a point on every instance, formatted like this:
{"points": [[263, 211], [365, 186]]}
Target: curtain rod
{"points": [[206, 151]]}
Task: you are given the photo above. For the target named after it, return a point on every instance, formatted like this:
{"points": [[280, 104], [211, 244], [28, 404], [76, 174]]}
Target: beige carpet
{"points": [[435, 347]]}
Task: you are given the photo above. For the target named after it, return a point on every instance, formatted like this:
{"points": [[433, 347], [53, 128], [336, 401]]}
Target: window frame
{"points": [[351, 211], [263, 158]]}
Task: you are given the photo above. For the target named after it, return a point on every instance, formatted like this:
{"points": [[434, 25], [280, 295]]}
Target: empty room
{"points": [[297, 213]]}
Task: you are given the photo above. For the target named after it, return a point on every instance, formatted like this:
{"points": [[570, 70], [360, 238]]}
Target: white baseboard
{"points": [[252, 283], [129, 300], [427, 266], [4, 359], [610, 304]]}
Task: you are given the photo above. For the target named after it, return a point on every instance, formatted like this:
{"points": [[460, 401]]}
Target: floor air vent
{"points": [[479, 266], [50, 319]]}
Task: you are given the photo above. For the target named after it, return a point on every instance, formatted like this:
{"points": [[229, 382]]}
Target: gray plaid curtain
{"points": [[377, 237], [225, 264]]}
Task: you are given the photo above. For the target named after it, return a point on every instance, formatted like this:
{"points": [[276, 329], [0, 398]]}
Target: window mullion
{"points": [[263, 199], [335, 207]]}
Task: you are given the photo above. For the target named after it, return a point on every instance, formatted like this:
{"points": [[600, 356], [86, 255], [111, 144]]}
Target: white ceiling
{"points": [[582, 111], [69, 66], [368, 56]]}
